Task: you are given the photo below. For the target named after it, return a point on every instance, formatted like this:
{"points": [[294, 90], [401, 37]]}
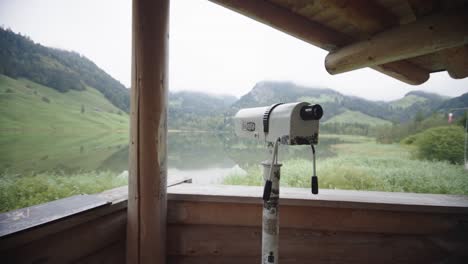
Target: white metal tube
{"points": [[270, 223], [466, 139]]}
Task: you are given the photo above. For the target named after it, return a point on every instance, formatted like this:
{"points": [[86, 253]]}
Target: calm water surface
{"points": [[206, 158]]}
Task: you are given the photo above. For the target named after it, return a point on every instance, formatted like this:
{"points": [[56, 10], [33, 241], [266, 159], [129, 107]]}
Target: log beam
{"points": [[146, 227], [322, 36], [428, 35], [456, 61]]}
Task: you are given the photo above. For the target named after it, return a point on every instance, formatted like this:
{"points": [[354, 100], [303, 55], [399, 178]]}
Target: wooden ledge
{"points": [[32, 223], [411, 202]]}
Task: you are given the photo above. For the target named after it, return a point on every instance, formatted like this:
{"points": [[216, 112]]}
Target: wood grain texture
{"points": [[72, 244], [309, 217], [115, 254], [309, 246], [63, 224], [366, 200], [424, 36], [148, 146], [33, 216], [456, 61], [319, 34], [288, 22], [221, 224]]}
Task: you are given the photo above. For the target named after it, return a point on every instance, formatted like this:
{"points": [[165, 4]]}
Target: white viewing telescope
{"points": [[288, 124]]}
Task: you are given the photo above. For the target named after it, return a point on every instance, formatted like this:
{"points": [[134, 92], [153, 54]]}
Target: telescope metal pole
{"points": [[270, 223]]}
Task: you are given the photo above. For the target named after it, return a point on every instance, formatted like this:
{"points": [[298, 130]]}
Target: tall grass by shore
{"points": [[18, 191], [365, 165]]}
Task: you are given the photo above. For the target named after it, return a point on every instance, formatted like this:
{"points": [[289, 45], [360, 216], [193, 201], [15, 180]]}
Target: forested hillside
{"points": [[61, 70], [335, 103], [198, 111], [59, 81]]}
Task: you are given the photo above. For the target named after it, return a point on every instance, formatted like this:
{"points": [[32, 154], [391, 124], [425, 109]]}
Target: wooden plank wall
{"points": [[95, 235], [211, 231], [221, 224]]}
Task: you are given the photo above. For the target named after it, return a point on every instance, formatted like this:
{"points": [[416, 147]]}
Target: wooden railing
{"points": [[222, 224]]}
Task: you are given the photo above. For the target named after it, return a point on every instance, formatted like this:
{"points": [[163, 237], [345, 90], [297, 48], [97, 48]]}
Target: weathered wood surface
{"points": [[317, 34], [212, 225], [33, 216], [221, 224], [424, 36], [41, 220], [456, 61], [411, 202], [71, 244], [148, 147], [311, 246], [114, 254], [310, 217]]}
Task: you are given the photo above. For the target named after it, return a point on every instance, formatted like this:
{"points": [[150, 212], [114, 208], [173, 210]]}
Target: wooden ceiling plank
{"points": [[428, 35], [368, 16], [287, 21], [314, 33]]}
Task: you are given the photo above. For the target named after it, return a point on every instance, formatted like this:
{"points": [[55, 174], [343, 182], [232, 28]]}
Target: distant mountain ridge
{"points": [[197, 110], [61, 70], [29, 70], [335, 103]]}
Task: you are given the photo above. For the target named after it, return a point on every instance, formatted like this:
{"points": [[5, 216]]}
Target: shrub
{"points": [[45, 99], [9, 90], [441, 143], [409, 140]]}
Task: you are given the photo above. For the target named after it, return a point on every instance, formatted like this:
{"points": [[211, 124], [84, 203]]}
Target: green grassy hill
{"points": [[354, 117], [28, 106], [62, 70], [408, 101]]}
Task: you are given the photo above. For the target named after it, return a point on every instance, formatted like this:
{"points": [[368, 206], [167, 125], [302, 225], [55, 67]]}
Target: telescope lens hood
{"points": [[311, 112]]}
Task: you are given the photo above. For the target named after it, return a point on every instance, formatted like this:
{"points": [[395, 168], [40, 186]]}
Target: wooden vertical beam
{"points": [[146, 227]]}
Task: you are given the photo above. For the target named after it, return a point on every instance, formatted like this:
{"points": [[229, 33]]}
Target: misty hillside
{"points": [[53, 88], [199, 111], [58, 69], [342, 107], [457, 102]]}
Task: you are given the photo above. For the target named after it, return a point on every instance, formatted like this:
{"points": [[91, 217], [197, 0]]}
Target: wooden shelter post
{"points": [[146, 227]]}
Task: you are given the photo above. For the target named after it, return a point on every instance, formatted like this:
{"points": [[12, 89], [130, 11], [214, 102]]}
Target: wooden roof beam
{"points": [[315, 34], [288, 22], [457, 62], [425, 36], [368, 16]]}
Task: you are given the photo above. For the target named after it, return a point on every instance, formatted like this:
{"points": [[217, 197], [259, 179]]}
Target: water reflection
{"points": [[205, 157]]}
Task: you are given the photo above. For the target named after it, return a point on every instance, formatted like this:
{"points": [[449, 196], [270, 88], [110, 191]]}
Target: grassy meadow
{"points": [[57, 144], [40, 108], [351, 116], [362, 164]]}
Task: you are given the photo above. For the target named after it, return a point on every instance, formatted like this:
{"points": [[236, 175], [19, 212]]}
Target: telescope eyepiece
{"points": [[311, 112]]}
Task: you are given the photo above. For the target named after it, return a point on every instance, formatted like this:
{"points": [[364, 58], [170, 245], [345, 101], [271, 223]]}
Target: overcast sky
{"points": [[212, 49]]}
